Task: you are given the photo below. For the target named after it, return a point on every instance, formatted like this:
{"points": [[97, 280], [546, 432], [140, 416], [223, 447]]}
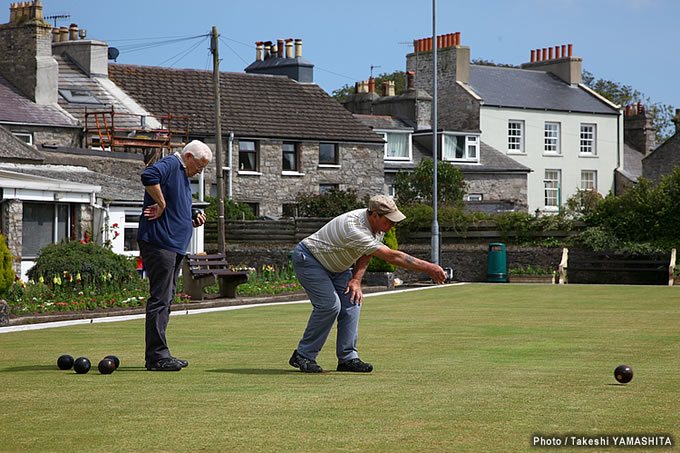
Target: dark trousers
{"points": [[162, 267]]}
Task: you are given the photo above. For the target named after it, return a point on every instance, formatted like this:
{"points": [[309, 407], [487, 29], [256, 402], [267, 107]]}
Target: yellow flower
{"points": [[78, 276], [41, 279]]}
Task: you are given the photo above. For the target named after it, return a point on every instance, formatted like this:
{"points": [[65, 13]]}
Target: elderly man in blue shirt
{"points": [[165, 230]]}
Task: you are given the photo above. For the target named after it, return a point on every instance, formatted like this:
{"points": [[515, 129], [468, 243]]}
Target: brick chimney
{"points": [[638, 129], [561, 63], [26, 54], [453, 67]]}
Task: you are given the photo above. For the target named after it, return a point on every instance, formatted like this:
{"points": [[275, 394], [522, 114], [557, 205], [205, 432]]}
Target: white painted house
{"points": [[541, 116]]}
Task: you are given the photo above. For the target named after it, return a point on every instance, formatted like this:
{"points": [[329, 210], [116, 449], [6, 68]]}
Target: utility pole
{"points": [[219, 164], [435, 223]]}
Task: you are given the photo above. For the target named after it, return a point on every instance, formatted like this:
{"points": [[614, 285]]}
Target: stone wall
{"points": [[457, 109], [11, 226], [508, 187], [26, 59], [468, 261], [361, 167]]}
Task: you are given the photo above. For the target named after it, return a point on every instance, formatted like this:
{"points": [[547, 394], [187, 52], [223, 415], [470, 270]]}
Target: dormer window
{"points": [[461, 148], [398, 146]]}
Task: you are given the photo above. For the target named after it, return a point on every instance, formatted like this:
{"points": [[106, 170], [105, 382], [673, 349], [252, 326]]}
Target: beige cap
{"points": [[385, 205]]}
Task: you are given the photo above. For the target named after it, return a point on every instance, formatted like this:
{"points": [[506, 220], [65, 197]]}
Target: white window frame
{"points": [[551, 189], [130, 225], [588, 139], [385, 133], [589, 180], [25, 137], [516, 137], [551, 138], [470, 149], [474, 197]]}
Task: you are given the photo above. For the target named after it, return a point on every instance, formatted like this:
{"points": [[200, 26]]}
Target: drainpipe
{"points": [[201, 187], [230, 148]]}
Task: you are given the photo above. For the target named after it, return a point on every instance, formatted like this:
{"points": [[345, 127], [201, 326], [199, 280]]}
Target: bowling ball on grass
{"points": [[623, 373], [115, 359], [65, 362], [82, 365], [107, 366]]}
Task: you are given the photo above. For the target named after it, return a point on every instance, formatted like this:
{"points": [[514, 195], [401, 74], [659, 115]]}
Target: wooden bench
{"points": [[617, 262], [199, 271]]}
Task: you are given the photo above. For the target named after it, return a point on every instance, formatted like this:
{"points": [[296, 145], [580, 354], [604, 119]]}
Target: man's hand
{"points": [[154, 211], [356, 296], [437, 274], [200, 220]]}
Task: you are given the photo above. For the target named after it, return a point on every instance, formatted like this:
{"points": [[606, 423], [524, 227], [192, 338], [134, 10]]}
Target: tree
{"points": [[416, 186], [662, 114], [399, 78], [6, 272]]}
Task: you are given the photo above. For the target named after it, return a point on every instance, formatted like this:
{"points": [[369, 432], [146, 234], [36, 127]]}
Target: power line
{"points": [[178, 57]]}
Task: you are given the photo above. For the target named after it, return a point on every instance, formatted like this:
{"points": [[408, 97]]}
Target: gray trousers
{"points": [[326, 293], [162, 267]]}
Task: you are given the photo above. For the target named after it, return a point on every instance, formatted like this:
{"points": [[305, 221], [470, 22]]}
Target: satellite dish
{"points": [[113, 53]]}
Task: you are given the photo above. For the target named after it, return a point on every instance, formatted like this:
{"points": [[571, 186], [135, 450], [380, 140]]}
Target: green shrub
{"points": [[329, 204], [380, 265], [89, 261], [233, 210], [7, 275], [415, 186]]}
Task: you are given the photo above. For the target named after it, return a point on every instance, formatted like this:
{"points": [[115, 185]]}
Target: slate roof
{"points": [[252, 105], [17, 108], [523, 88], [113, 189], [383, 122], [72, 77], [14, 150]]}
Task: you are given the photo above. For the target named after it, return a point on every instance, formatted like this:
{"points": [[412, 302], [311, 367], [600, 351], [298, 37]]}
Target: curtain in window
{"points": [[397, 145], [454, 147]]}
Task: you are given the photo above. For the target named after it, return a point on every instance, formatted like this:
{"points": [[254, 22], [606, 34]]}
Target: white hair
{"points": [[198, 149]]}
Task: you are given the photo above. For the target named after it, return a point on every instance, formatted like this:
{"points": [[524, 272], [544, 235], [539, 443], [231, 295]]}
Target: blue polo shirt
{"points": [[173, 229]]}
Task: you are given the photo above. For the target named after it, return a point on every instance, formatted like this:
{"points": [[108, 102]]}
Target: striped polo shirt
{"points": [[343, 240]]}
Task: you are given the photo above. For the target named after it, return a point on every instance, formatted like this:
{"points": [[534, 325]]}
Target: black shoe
{"points": [[355, 365], [165, 364], [182, 363], [305, 365]]}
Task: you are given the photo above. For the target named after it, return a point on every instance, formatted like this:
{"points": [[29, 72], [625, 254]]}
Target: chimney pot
{"points": [[409, 80], [258, 51], [545, 54], [533, 56], [550, 53], [371, 85], [279, 48], [267, 49], [457, 38], [557, 52], [564, 51], [73, 32], [569, 48], [384, 89], [298, 48], [289, 48], [628, 110], [439, 42]]}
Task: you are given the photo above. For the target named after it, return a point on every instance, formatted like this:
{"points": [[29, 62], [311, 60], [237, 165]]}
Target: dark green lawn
{"points": [[472, 368]]}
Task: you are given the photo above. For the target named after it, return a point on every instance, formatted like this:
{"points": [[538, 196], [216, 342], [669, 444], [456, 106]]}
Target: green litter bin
{"points": [[496, 264]]}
